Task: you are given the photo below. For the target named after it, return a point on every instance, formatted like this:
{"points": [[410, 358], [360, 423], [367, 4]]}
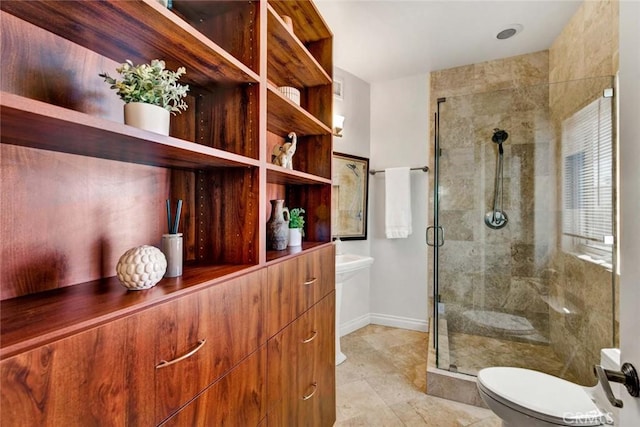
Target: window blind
{"points": [[587, 152]]}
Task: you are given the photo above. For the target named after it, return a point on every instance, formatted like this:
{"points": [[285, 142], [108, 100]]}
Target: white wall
{"points": [[629, 97], [355, 107], [399, 137]]}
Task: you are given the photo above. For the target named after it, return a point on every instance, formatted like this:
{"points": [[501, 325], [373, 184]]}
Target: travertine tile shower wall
{"points": [[502, 270], [582, 60]]}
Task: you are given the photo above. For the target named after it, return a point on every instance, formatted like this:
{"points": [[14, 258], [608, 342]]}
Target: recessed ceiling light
{"points": [[509, 32]]}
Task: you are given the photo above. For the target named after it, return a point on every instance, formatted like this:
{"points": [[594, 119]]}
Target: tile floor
{"points": [[382, 383]]}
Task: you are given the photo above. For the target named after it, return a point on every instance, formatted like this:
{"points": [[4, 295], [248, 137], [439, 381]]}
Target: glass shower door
{"points": [[524, 190]]}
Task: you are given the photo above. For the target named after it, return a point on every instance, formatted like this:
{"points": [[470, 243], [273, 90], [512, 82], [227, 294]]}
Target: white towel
{"points": [[397, 203]]}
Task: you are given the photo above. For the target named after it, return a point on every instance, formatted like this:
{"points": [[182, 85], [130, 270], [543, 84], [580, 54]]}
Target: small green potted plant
{"points": [[150, 92], [296, 224]]}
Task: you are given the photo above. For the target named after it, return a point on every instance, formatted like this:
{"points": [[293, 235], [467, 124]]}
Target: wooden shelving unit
{"points": [[82, 187]]}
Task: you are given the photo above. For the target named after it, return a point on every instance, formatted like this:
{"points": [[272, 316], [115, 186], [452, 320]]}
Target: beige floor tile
{"points": [[435, 412], [491, 421], [375, 418], [394, 388], [410, 360], [358, 402], [382, 383], [362, 363], [391, 337]]}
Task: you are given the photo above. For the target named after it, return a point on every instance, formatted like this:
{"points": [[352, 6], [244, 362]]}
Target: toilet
{"points": [[527, 398]]}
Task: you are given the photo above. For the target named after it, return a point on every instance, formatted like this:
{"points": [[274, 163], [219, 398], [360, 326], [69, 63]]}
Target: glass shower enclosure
{"points": [[523, 235]]}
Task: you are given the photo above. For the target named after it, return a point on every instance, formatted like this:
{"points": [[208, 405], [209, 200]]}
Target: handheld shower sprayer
{"points": [[497, 218]]}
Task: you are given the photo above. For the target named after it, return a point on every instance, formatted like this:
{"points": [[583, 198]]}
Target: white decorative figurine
{"points": [[141, 267], [283, 154]]}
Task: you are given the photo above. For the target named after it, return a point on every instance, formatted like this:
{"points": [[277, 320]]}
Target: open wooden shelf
{"points": [[284, 116], [279, 175], [30, 123], [287, 56], [231, 24], [33, 320], [308, 24], [139, 31]]}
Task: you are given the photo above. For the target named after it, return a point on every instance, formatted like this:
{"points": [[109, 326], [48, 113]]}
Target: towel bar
{"points": [[423, 169]]}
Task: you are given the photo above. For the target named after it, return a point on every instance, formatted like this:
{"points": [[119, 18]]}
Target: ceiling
{"points": [[378, 40]]}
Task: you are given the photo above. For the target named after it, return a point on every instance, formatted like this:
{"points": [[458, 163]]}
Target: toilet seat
{"points": [[541, 396]]}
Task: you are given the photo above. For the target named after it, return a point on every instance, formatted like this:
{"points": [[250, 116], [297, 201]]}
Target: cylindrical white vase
{"points": [[148, 117], [171, 246]]}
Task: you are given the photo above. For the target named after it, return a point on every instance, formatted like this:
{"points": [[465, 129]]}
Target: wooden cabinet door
{"points": [[297, 284], [237, 399], [101, 377], [204, 335], [301, 369]]}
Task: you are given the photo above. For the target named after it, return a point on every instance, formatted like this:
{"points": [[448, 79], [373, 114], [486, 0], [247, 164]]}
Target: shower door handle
{"points": [[438, 236]]}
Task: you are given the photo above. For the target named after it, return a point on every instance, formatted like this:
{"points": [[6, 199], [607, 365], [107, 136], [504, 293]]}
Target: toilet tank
{"points": [[610, 358]]}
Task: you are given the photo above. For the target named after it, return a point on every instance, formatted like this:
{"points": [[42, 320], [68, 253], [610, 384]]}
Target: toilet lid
{"points": [[540, 395]]}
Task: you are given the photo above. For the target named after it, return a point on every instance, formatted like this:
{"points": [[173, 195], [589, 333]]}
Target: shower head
{"points": [[499, 136]]}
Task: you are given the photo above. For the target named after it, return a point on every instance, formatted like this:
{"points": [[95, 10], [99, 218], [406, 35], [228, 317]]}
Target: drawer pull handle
{"points": [[310, 281], [313, 336], [164, 363], [309, 396]]}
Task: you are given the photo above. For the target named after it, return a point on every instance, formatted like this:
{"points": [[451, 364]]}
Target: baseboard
{"points": [[399, 322], [354, 324], [383, 320]]}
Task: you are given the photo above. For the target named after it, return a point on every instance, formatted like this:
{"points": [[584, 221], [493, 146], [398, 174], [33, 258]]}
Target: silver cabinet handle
{"points": [[309, 396], [164, 363], [313, 336], [310, 281], [628, 376]]}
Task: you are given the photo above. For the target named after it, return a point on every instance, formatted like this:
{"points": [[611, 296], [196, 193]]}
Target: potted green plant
{"points": [[150, 92], [296, 224]]}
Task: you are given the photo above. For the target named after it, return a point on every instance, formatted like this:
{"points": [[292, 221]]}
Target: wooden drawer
{"points": [[316, 278], [297, 284], [301, 370], [202, 336], [103, 376], [237, 399]]}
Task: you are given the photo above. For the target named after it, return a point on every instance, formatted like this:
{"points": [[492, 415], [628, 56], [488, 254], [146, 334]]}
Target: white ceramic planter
{"points": [[295, 237], [147, 116]]}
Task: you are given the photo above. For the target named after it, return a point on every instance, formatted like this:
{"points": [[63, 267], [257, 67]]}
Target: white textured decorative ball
{"points": [[141, 267]]}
